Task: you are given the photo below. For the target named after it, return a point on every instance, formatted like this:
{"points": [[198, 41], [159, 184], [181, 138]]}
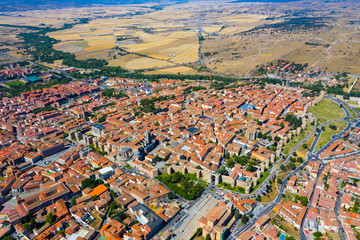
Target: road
{"points": [[337, 207]]}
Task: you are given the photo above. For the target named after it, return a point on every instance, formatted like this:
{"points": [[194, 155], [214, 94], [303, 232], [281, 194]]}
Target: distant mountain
{"points": [[18, 5]]}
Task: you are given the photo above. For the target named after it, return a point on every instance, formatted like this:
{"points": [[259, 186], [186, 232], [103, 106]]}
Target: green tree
{"points": [[333, 127], [222, 171], [258, 198], [229, 163], [292, 165], [317, 235], [282, 167], [237, 214], [30, 224], [91, 183], [50, 218], [244, 219], [208, 237], [8, 237]]}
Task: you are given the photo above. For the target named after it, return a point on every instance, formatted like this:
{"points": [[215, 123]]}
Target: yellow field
{"points": [[189, 55], [145, 63], [212, 29], [119, 33], [100, 47], [245, 17], [160, 29], [145, 46], [65, 36], [121, 61], [147, 38], [15, 54], [182, 34], [94, 38], [174, 70], [100, 41], [96, 32]]}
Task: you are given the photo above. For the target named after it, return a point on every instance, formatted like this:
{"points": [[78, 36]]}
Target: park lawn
{"points": [[15, 83], [326, 135], [327, 110], [302, 152], [290, 145]]}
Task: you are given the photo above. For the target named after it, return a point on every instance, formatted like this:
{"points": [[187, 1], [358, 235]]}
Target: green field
{"points": [[290, 145], [326, 135], [15, 83], [326, 110]]}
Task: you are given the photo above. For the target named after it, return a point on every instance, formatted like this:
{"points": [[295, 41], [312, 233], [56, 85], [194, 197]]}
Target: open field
{"points": [[327, 110], [326, 135]]}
